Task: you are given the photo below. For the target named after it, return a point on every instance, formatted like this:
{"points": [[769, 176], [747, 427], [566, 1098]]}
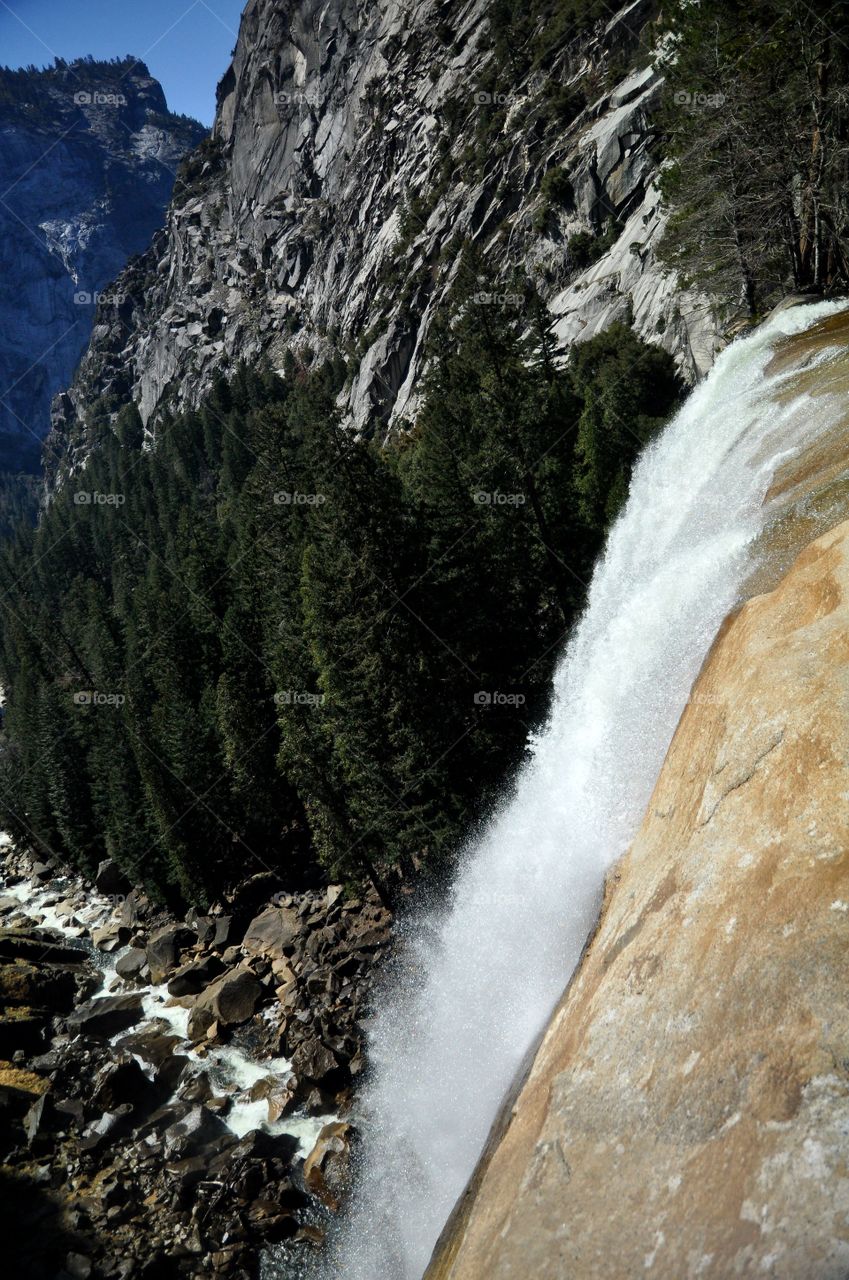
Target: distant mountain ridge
{"points": [[356, 148], [88, 157]]}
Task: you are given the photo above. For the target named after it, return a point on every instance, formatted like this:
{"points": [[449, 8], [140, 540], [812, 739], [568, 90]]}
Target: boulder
{"points": [[327, 1167], [110, 879], [259, 1145], [272, 933], [132, 964], [130, 909], [43, 947], [196, 1088], [278, 1092], [313, 1061], [188, 1172], [201, 1023], [163, 950], [193, 978], [67, 910], [24, 983], [150, 1044], [72, 1107], [221, 933], [322, 982], [197, 1132], [170, 1072], [229, 1000], [111, 935], [78, 1266], [120, 1082], [106, 1016], [266, 1219], [155, 1124], [36, 1119], [108, 1127]]}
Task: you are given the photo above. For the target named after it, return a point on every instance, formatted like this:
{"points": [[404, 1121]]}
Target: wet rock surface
{"points": [[174, 1106]]}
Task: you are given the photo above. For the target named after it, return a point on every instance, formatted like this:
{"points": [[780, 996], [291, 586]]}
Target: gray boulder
{"points": [[163, 950], [228, 1001], [193, 978], [132, 964], [196, 1132], [273, 933], [107, 1016]]}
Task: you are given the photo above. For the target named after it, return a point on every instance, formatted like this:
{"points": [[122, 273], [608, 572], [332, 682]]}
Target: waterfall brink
{"points": [[483, 975]]}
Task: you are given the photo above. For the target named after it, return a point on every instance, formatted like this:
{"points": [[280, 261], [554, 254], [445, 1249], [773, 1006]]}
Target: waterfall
{"points": [[482, 975]]}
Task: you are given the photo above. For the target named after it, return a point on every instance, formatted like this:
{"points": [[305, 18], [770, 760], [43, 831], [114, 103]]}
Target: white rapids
{"points": [[231, 1070], [484, 974]]}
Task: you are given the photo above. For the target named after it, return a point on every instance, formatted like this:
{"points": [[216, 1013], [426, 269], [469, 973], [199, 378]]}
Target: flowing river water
{"points": [[232, 1069]]}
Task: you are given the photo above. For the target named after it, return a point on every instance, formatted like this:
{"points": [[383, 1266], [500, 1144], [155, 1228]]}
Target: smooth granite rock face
{"points": [[87, 165], [687, 1111], [327, 214]]}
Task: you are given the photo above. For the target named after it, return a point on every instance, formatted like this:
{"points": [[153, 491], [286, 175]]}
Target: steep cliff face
{"points": [[87, 167], [357, 146], [685, 1114]]}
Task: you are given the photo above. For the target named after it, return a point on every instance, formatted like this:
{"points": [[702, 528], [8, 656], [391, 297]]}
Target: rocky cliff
{"points": [[87, 168], [685, 1113], [357, 147]]}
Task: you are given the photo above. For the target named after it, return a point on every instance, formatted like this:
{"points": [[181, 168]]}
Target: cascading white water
{"points": [[483, 976]]}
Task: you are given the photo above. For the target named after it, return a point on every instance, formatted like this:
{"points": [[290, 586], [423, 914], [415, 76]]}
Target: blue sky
{"points": [[186, 43]]}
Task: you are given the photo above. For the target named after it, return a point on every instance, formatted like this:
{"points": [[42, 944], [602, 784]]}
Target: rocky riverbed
{"points": [[175, 1095]]}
